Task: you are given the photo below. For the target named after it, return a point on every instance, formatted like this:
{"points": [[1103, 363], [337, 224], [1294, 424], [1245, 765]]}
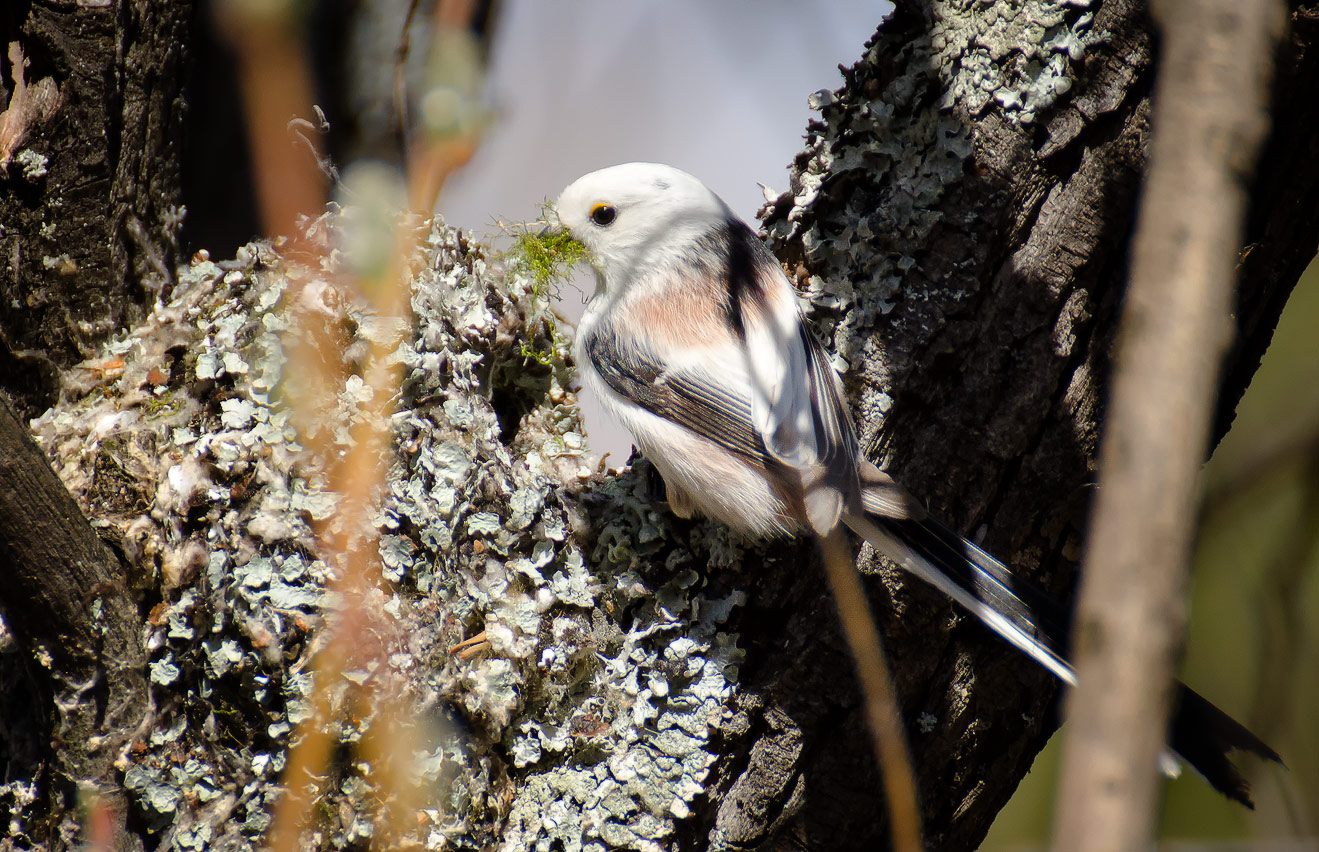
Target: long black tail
{"points": [[1039, 626]]}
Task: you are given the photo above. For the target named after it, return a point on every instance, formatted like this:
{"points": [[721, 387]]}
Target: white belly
{"points": [[719, 484]]}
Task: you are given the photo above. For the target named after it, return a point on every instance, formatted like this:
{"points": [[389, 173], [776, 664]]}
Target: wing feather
{"points": [[797, 402], [691, 399], [833, 425], [766, 393]]}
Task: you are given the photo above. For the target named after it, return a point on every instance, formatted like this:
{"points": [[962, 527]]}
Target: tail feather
{"points": [[1023, 615], [1205, 736], [1028, 618]]}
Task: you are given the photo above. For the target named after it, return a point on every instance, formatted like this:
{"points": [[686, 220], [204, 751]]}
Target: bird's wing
{"points": [[716, 407], [796, 399]]}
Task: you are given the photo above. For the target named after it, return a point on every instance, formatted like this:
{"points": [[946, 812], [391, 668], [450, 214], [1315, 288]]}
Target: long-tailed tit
{"points": [[695, 341]]}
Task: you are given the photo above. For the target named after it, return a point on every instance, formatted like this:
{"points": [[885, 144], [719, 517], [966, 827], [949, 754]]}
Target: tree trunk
{"points": [[63, 596], [89, 213], [90, 203], [959, 220]]}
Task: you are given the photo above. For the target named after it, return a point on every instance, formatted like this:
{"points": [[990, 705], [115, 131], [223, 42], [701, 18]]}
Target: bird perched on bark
{"points": [[694, 340]]}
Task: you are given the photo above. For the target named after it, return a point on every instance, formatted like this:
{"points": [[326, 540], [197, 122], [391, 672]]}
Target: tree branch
{"points": [[62, 594], [89, 228], [1209, 121]]}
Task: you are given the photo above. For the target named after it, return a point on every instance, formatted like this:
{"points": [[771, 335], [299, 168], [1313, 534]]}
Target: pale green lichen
{"points": [[607, 670], [1018, 55], [544, 256]]}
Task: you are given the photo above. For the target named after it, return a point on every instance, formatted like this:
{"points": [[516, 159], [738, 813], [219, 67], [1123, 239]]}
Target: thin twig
{"points": [[359, 633], [882, 711], [269, 47], [402, 120]]}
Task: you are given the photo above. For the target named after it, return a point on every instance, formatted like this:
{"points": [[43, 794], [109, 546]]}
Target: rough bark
{"points": [[88, 227], [63, 597], [1283, 214], [964, 243], [986, 255], [89, 211]]}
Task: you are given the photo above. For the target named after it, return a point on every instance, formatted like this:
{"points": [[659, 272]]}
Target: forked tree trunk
{"points": [[960, 219]]}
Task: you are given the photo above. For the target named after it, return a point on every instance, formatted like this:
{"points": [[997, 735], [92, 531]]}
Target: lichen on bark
{"points": [[586, 721]]}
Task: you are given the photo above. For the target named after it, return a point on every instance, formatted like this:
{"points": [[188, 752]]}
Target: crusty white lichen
{"points": [[621, 747], [1016, 55], [906, 134], [585, 723]]}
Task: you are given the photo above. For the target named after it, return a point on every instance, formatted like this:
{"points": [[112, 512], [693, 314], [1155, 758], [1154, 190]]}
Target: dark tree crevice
{"points": [[89, 237]]}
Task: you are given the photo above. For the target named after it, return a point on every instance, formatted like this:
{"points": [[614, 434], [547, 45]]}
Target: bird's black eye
{"points": [[603, 214]]}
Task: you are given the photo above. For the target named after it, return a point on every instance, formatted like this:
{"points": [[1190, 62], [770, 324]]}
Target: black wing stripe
{"points": [[833, 425], [641, 378], [739, 259]]}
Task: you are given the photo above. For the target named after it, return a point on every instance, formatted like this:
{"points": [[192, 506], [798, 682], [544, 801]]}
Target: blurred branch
{"points": [[1209, 120], [440, 136], [361, 634], [445, 139], [402, 117], [883, 711], [269, 47]]}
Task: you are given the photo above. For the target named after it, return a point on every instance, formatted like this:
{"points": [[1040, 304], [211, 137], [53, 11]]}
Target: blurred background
{"points": [[501, 103], [1253, 647]]}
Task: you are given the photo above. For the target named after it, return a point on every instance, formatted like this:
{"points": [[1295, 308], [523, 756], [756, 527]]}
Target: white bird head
{"points": [[638, 214]]}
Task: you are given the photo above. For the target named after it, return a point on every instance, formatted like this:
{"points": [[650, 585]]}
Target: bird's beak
{"points": [[553, 225]]}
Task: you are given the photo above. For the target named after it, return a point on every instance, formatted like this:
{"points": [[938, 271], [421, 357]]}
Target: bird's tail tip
{"points": [[1208, 738]]}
